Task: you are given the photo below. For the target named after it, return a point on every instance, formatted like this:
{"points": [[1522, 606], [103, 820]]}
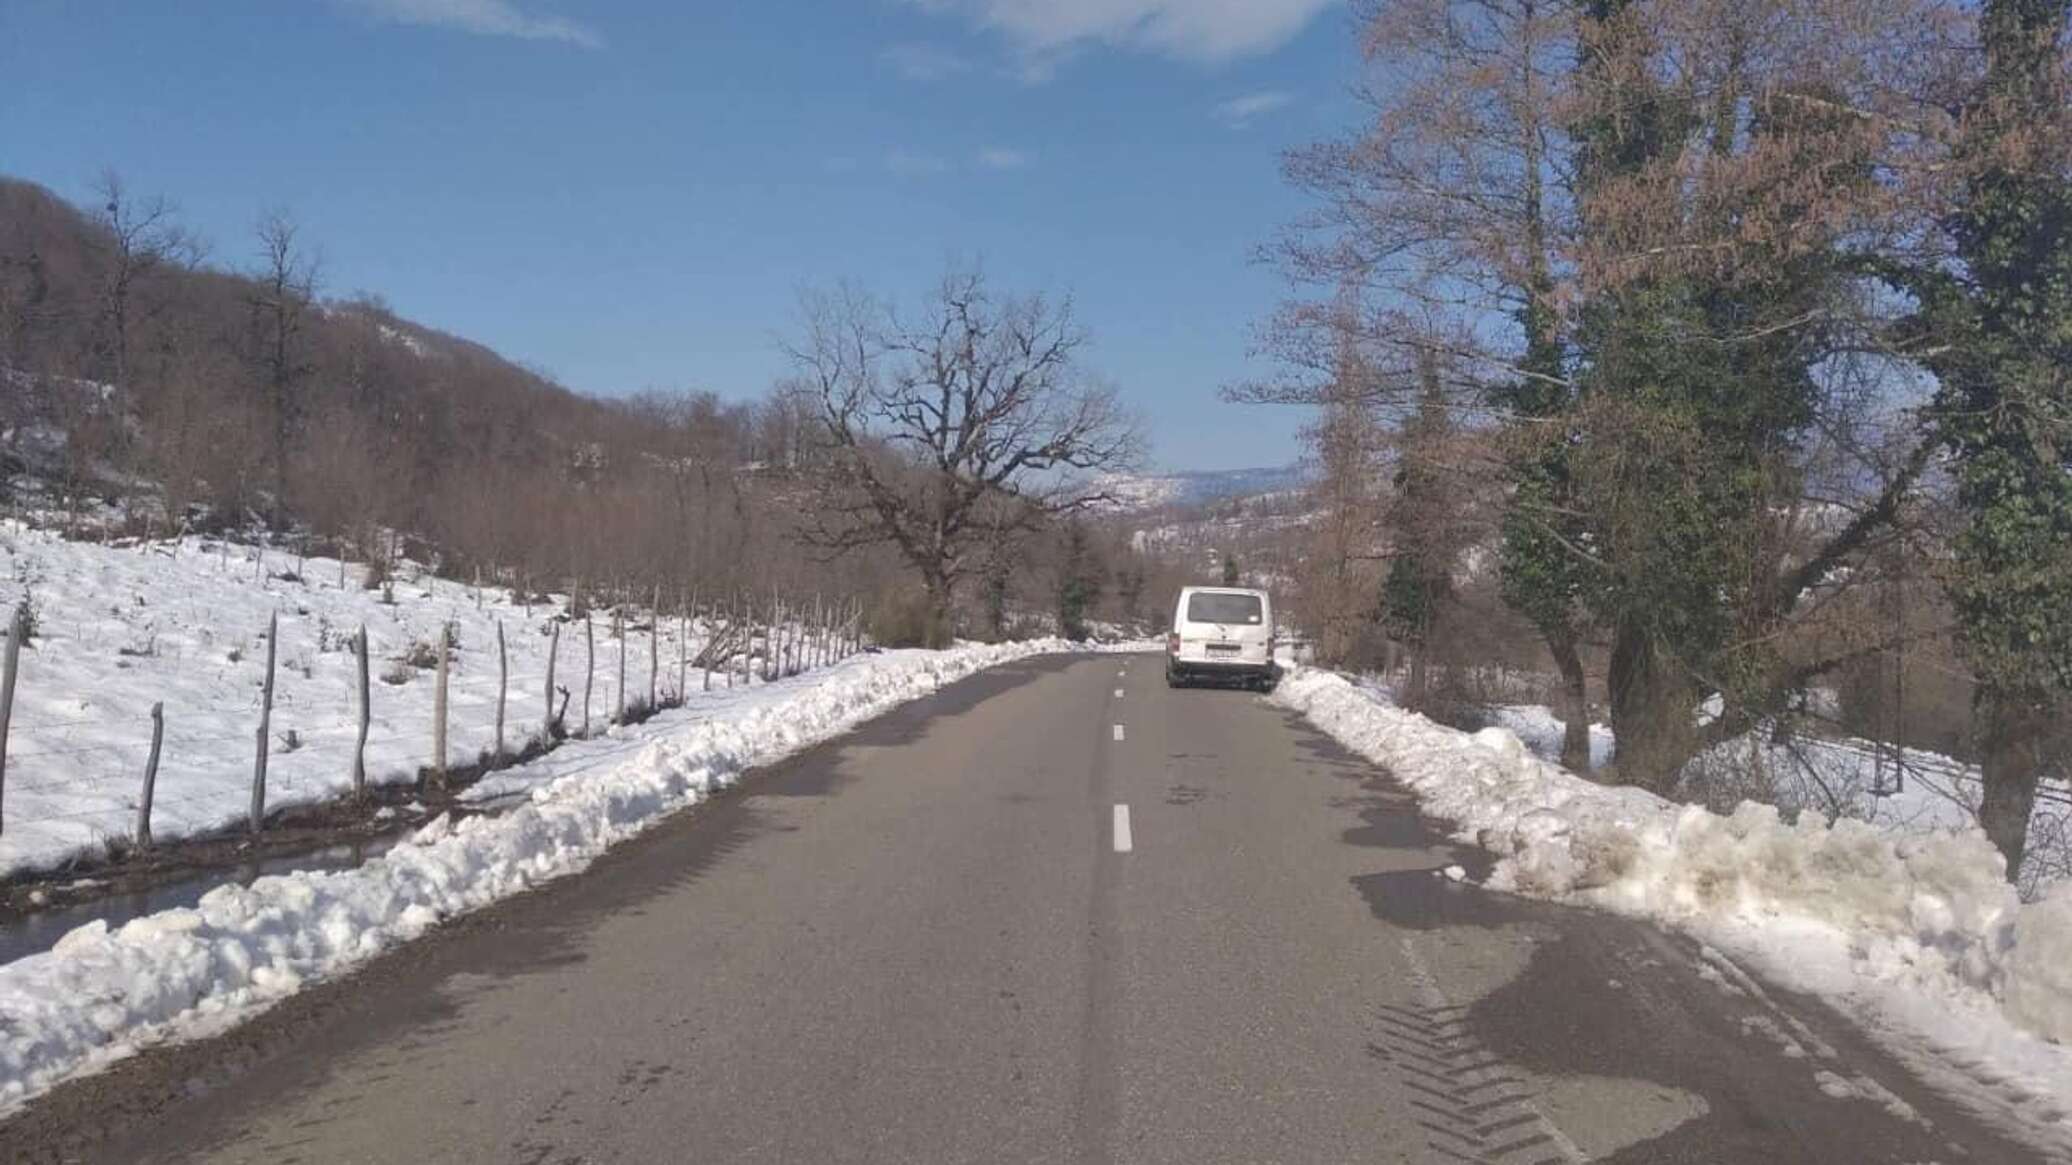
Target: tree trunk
{"points": [[1653, 711], [1575, 702], [2012, 732], [939, 598]]}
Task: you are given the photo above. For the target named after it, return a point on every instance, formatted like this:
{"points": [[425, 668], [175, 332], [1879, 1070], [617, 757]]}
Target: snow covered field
{"points": [[184, 622], [101, 994], [1916, 933]]}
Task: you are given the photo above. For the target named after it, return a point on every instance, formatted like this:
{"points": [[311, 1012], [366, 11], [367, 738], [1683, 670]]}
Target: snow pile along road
{"points": [[1918, 935], [99, 995]]}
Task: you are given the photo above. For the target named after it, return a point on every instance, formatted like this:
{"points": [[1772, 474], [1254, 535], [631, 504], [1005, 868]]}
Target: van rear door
{"points": [[1228, 627]]}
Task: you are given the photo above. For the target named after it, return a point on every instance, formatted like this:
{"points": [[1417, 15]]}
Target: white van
{"points": [[1221, 633]]}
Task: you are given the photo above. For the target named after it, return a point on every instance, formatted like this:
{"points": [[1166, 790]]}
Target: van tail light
{"points": [[1173, 643]]}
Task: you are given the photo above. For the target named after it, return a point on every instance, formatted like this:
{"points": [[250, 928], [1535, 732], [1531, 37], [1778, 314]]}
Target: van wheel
{"points": [[1172, 680]]}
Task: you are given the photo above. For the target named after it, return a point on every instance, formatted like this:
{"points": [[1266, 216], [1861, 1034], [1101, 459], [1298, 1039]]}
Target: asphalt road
{"points": [[926, 942]]}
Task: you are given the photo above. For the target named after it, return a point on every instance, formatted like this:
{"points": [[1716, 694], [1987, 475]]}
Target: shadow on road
{"points": [[1614, 998]]}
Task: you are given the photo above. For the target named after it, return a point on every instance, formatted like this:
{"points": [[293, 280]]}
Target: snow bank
{"points": [[1542, 732], [1916, 934], [101, 994]]}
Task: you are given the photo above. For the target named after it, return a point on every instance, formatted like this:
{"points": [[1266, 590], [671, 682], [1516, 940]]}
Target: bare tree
{"points": [[927, 421], [283, 292], [140, 237]]}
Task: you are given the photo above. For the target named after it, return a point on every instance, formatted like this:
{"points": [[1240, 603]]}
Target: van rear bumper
{"points": [[1194, 669]]}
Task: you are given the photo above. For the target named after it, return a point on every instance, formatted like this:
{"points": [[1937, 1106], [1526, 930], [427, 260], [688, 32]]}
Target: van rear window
{"points": [[1215, 608]]}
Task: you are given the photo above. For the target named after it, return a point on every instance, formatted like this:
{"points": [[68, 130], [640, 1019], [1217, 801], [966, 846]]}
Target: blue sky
{"points": [[631, 193]]}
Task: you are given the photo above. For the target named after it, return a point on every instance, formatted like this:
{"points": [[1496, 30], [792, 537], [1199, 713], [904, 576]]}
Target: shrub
{"points": [[423, 653], [906, 620]]}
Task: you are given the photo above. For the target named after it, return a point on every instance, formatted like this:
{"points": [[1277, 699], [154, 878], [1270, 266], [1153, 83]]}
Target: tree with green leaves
{"points": [[2000, 328], [1427, 530], [1721, 171], [1079, 582]]}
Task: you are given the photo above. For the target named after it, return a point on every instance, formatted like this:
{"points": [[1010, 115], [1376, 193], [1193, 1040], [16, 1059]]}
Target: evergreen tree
{"points": [[1424, 521], [1079, 581], [2003, 409]]}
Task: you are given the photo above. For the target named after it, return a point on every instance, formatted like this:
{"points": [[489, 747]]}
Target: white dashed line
{"points": [[1118, 732], [1122, 829], [1118, 693]]}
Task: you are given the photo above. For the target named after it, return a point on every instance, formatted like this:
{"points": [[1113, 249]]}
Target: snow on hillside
{"points": [[1147, 491], [102, 994], [1918, 935], [184, 622]]}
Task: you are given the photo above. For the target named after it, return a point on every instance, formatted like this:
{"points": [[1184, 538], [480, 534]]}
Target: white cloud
{"points": [[924, 62], [1239, 112], [915, 163], [1199, 30], [484, 17], [1002, 158]]}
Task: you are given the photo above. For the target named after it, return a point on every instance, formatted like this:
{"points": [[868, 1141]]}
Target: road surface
{"points": [[1056, 913]]}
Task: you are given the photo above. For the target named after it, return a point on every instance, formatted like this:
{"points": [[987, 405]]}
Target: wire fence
{"points": [[80, 777]]}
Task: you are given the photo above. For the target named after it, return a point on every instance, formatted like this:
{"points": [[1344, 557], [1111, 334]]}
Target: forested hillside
{"points": [[154, 384]]}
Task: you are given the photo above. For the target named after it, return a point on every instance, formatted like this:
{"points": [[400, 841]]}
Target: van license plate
{"points": [[1223, 649]]}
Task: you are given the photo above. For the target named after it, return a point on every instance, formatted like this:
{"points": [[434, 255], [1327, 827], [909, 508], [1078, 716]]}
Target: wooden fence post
{"points": [[503, 685], [589, 667], [150, 776], [770, 634], [273, 636], [654, 645], [683, 655], [366, 718], [17, 630], [553, 649], [619, 630], [439, 706]]}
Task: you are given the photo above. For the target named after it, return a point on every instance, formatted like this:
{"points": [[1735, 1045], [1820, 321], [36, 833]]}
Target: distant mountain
{"points": [[1150, 491]]}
